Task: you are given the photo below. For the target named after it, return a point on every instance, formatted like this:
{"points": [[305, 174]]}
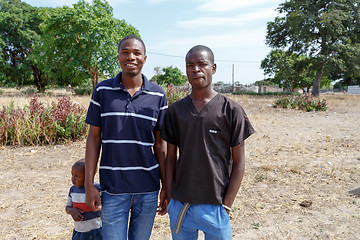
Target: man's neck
{"points": [[131, 81], [202, 94]]}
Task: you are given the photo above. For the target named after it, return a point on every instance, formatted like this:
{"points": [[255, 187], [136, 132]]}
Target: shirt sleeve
{"points": [[241, 126], [93, 115], [162, 111], [168, 130], [69, 200]]}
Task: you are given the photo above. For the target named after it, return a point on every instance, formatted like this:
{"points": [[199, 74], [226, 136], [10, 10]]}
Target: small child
{"points": [[87, 223]]}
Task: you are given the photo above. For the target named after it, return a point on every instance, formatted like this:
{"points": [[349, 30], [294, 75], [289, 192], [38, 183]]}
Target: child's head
{"points": [[78, 173]]}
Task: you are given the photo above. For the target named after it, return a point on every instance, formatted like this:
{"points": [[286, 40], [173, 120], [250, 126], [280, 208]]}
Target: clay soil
{"points": [[302, 177]]}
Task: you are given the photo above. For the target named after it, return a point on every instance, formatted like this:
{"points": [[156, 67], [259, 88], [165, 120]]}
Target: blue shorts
{"points": [[213, 220], [93, 234]]}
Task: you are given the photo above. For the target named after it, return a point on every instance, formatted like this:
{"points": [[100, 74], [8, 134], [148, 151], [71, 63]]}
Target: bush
{"points": [[174, 94], [38, 124], [265, 93], [30, 91], [83, 90], [304, 103]]}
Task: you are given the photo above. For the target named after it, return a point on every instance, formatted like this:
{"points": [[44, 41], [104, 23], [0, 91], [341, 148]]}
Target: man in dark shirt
{"points": [[209, 129]]}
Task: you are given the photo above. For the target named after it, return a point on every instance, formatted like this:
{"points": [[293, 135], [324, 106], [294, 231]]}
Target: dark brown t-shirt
{"points": [[204, 139]]}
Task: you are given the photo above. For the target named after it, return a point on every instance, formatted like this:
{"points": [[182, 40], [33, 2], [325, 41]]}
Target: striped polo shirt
{"points": [[128, 164]]}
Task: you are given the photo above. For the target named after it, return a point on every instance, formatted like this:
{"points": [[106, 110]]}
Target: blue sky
{"points": [[234, 29]]}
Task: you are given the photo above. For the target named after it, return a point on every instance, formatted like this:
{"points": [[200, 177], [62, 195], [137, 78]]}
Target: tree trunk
{"points": [[37, 73], [316, 87], [94, 74]]}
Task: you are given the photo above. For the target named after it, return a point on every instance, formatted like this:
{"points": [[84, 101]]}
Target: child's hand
{"points": [[76, 214]]}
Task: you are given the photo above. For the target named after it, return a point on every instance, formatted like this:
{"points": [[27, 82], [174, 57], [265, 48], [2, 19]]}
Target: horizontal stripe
{"points": [[78, 197], [154, 93], [129, 114], [128, 168], [87, 225], [96, 103], [107, 88], [128, 141], [82, 206], [164, 107]]}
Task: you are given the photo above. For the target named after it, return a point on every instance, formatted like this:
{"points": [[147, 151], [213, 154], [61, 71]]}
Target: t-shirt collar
{"points": [[117, 83]]}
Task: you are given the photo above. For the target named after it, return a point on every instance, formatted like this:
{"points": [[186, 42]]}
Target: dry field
{"points": [[293, 157]]}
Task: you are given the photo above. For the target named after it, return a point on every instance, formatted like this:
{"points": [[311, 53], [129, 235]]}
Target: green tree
{"points": [[319, 29], [82, 41], [289, 70], [20, 33], [171, 75]]}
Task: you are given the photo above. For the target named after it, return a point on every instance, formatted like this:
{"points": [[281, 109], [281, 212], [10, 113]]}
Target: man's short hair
{"points": [[131, 36], [200, 48]]}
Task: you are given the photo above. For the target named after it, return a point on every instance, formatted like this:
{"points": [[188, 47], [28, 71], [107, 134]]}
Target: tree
{"points": [[20, 33], [290, 70], [320, 29], [171, 75], [82, 41]]}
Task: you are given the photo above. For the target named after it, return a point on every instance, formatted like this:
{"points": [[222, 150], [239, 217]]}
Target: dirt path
{"points": [[294, 156]]}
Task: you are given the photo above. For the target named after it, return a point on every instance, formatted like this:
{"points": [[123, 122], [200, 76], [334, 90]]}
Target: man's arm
{"points": [[237, 173], [93, 145], [170, 167], [160, 154]]}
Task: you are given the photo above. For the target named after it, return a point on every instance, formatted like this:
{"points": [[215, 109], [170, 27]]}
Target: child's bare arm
{"points": [[76, 214]]}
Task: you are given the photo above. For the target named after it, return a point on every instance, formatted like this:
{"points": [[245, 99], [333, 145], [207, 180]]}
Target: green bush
{"points": [[265, 93], [174, 94], [83, 90], [304, 103], [38, 124], [29, 91]]}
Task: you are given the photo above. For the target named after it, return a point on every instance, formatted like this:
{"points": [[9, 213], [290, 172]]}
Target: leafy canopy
{"points": [[19, 31], [82, 40], [171, 75], [321, 30]]}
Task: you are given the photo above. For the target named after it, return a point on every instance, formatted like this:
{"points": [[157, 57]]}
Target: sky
{"points": [[235, 30]]}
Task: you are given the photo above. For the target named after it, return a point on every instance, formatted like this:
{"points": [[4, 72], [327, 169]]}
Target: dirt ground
{"points": [[293, 157]]}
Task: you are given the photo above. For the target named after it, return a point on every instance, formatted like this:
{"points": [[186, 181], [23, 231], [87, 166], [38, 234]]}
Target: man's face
{"points": [[131, 57], [199, 69]]}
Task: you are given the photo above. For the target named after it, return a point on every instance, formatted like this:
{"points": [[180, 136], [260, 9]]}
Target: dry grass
{"points": [[292, 157]]}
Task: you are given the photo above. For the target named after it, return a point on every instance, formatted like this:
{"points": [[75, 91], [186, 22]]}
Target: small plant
{"points": [[304, 103], [38, 124], [255, 225]]}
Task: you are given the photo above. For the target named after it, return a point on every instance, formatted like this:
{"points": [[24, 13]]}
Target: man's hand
{"points": [[163, 203], [92, 198]]}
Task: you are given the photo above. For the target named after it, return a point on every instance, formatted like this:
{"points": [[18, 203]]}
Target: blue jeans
{"points": [[213, 220], [93, 234], [115, 214]]}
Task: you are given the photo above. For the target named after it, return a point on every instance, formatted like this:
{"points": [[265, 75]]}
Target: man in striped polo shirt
{"points": [[125, 117]]}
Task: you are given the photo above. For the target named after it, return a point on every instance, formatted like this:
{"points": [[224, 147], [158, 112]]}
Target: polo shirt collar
{"points": [[117, 83]]}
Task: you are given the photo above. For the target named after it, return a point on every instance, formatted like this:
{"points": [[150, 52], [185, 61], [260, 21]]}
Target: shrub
{"points": [[40, 124], [29, 91], [174, 94], [265, 93], [83, 90], [304, 103]]}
